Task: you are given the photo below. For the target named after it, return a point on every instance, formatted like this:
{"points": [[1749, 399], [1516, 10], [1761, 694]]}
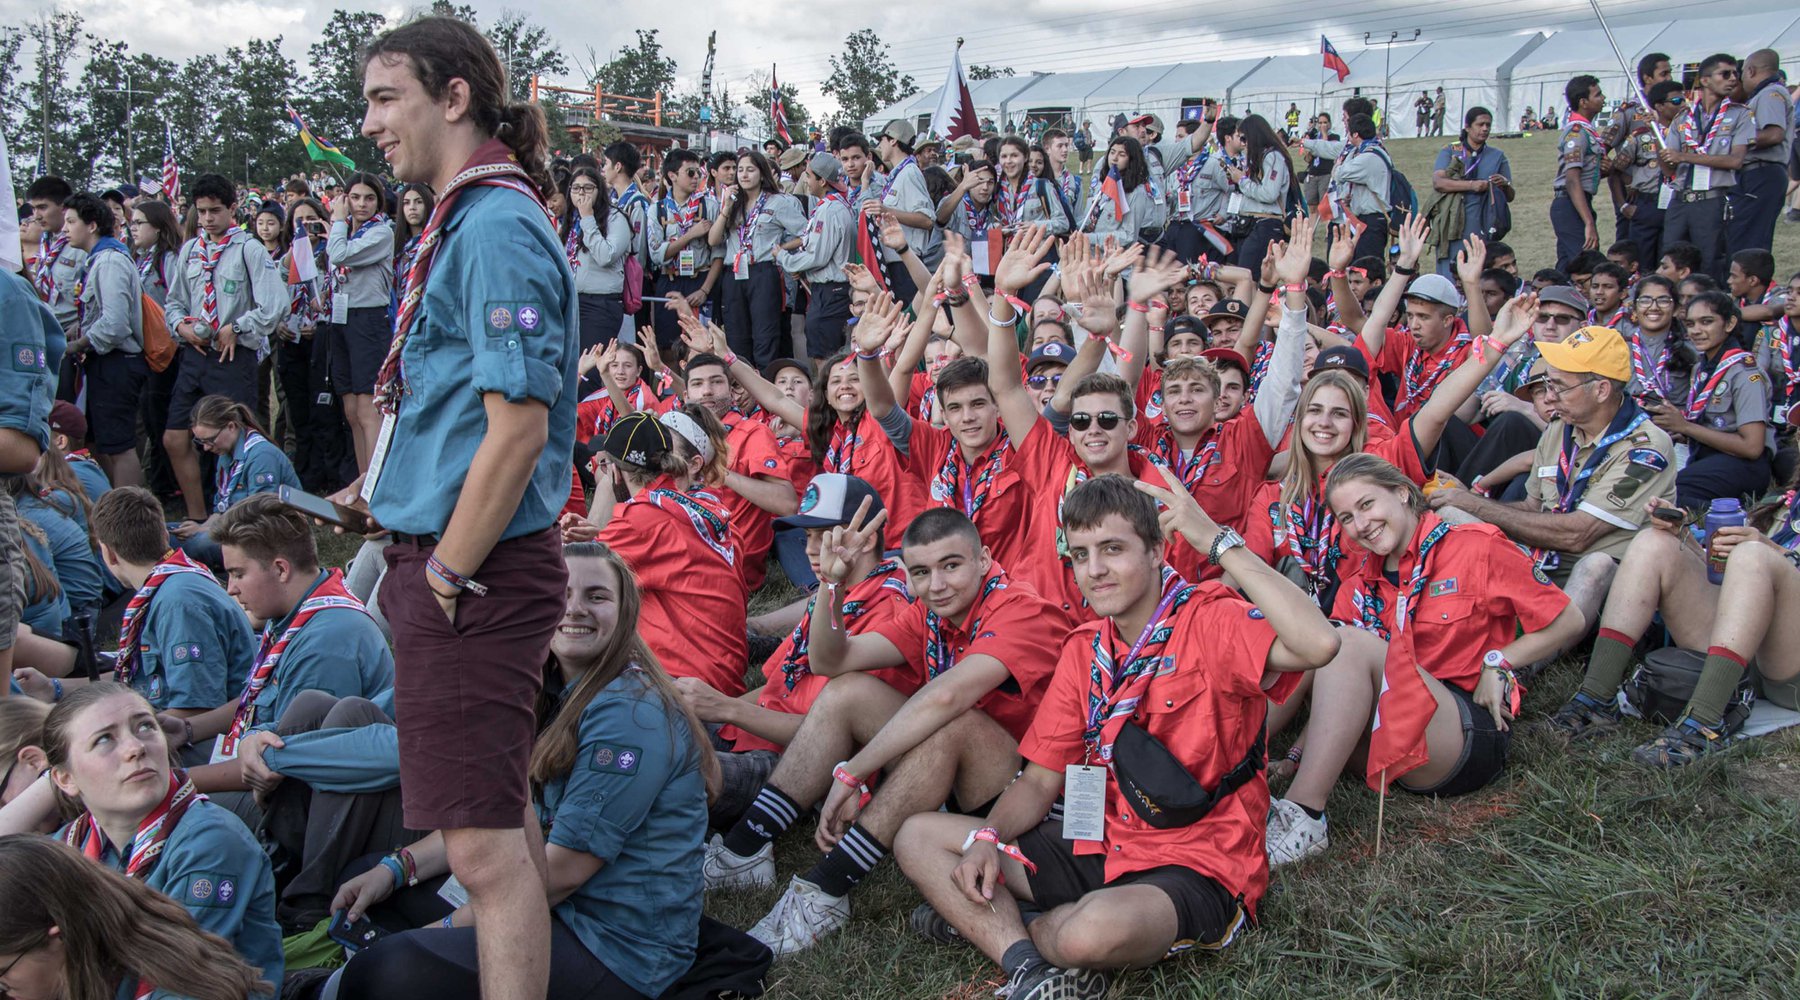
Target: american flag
{"points": [[778, 108], [171, 176]]}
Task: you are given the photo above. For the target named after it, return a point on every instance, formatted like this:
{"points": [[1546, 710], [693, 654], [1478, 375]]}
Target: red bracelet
{"points": [[1137, 306], [971, 280], [1296, 289], [1023, 307], [842, 775], [992, 836]]}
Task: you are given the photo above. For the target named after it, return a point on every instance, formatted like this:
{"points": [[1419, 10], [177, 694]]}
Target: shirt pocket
{"points": [[233, 276], [1443, 623]]}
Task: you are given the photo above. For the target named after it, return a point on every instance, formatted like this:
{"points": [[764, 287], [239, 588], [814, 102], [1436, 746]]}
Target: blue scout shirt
{"points": [[196, 646], [33, 342], [72, 558], [213, 866], [93, 478], [340, 651], [635, 800], [45, 614], [256, 465], [499, 315]]}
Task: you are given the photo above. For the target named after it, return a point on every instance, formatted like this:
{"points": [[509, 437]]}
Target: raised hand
{"points": [[1160, 272], [893, 235], [860, 279], [1412, 239], [1515, 318], [1024, 260], [1471, 260], [1181, 513], [1119, 260], [1295, 264]]}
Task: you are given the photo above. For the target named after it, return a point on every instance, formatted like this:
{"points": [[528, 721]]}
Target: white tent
{"points": [[1537, 80], [1469, 70], [1269, 88], [990, 98], [1063, 94], [1191, 82]]}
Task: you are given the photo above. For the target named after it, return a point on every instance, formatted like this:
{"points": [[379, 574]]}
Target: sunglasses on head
{"points": [[1039, 381], [1106, 419]]}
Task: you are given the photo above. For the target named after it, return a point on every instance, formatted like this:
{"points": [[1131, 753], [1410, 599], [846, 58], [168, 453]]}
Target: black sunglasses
{"points": [[1107, 420]]}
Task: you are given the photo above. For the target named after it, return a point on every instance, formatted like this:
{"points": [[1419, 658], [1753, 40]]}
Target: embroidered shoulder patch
{"points": [[211, 889], [617, 760], [1649, 458]]}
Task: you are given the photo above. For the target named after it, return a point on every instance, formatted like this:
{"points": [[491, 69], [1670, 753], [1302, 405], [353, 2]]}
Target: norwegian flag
{"points": [[778, 108], [1333, 61], [171, 175]]}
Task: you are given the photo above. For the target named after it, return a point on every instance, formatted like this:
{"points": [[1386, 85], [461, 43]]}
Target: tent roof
{"points": [[1570, 52], [1475, 58], [1198, 79], [1301, 74], [1066, 88], [1694, 39]]}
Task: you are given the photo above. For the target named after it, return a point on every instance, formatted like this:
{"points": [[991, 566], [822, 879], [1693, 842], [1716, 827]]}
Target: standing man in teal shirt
{"points": [[470, 470]]}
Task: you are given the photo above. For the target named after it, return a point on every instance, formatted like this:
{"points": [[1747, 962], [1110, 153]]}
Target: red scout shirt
{"points": [[1207, 710], [596, 413], [870, 605], [1226, 467], [990, 493], [1418, 370], [1008, 622], [866, 452], [694, 598], [753, 453]]}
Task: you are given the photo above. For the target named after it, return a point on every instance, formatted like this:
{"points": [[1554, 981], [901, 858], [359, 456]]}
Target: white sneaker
{"points": [[802, 916], [725, 870], [1292, 834]]}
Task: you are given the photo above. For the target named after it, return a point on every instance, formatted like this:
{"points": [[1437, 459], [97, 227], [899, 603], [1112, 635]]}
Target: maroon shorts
{"points": [[464, 692]]}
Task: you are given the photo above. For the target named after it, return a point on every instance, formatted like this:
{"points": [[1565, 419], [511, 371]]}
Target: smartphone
{"points": [[1673, 515], [353, 935], [348, 518]]}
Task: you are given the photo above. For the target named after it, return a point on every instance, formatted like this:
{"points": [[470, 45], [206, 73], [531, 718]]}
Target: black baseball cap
{"points": [[831, 501], [1233, 308], [1341, 357], [774, 368], [639, 439]]}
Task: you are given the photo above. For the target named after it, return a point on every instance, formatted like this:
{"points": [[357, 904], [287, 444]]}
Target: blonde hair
{"points": [[1304, 467], [1378, 471]]}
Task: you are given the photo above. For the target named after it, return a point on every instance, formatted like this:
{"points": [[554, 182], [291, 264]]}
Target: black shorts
{"points": [[356, 348], [206, 375], [826, 315], [115, 383], [1483, 753], [1207, 916]]}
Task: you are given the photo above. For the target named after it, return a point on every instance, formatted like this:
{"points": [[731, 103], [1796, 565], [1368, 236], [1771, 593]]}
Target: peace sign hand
{"points": [[845, 544], [1181, 514]]}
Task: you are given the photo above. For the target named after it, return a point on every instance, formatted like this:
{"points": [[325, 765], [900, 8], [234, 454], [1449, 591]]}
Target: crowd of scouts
{"points": [[1093, 487]]}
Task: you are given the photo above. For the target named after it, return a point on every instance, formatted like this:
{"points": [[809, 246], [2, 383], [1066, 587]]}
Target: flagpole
{"points": [[1630, 74]]}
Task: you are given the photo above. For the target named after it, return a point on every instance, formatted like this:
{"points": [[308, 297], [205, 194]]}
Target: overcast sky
{"points": [[801, 35]]}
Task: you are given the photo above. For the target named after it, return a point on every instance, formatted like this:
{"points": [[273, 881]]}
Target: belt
{"points": [[422, 541], [1693, 196], [1760, 164]]}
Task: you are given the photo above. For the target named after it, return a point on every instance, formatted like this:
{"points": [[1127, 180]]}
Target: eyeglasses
{"points": [[583, 188], [207, 442], [9, 967], [1728, 74], [1665, 301], [1555, 391], [1106, 419], [1559, 319], [1675, 99], [1040, 381]]}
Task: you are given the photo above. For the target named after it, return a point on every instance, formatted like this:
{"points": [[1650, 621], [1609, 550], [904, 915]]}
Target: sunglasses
{"points": [[1107, 420], [1040, 381]]}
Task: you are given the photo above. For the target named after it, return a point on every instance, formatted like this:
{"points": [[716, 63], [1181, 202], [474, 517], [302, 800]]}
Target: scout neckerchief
{"points": [[840, 454], [938, 655], [1699, 398], [1653, 376], [979, 219], [227, 473], [1596, 141], [50, 250], [1012, 203], [1115, 689], [1687, 126], [959, 485], [1184, 174], [104, 243], [1786, 532], [153, 831], [688, 213], [746, 233], [1112, 190], [340, 275], [1419, 384], [629, 197], [1192, 469], [1572, 484], [895, 176], [131, 627], [210, 255], [1140, 462], [884, 578], [1784, 342], [330, 593], [1259, 366], [572, 244], [1405, 705], [639, 396], [1469, 156], [1311, 535], [1071, 187], [493, 165], [403, 265], [702, 511]]}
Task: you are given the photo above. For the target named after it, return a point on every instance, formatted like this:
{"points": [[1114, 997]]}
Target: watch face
{"points": [[1494, 659]]}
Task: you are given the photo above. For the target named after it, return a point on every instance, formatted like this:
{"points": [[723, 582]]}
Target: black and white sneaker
{"points": [[1043, 981]]}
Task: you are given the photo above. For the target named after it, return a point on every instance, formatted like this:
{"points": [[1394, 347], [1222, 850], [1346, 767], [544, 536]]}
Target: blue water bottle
{"points": [[1725, 512]]}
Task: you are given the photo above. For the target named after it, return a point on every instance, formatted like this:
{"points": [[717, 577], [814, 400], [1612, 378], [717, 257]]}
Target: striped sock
{"points": [[849, 862], [1606, 668], [767, 818], [1718, 681]]}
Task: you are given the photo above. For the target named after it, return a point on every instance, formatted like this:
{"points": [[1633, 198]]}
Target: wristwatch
{"points": [[1223, 542], [1496, 660]]}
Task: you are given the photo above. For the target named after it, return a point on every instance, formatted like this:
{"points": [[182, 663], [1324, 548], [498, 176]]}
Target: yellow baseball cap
{"points": [[1597, 350]]}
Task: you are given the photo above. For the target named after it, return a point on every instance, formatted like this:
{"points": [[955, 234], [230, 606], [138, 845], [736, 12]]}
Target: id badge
{"points": [[979, 256], [1084, 802], [1235, 204], [452, 892], [1665, 196], [740, 267], [684, 263], [1184, 201], [378, 457], [1702, 178], [1781, 413], [219, 756], [1681, 455], [340, 309]]}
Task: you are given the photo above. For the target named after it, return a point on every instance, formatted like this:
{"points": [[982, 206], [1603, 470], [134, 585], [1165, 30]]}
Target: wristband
{"points": [[396, 869], [1400, 268], [874, 356], [411, 866], [1137, 306], [1019, 305], [1265, 289], [1156, 329], [1294, 753], [971, 281], [187, 726], [1159, 304], [449, 921], [1297, 289], [57, 692], [841, 774], [438, 569], [1335, 274], [996, 321], [730, 359], [992, 836]]}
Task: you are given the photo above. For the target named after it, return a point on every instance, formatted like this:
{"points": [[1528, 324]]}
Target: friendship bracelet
{"points": [[412, 866], [1020, 305], [842, 775], [868, 356], [992, 836], [453, 578], [1137, 306], [971, 280], [186, 724], [730, 359], [396, 869], [57, 691]]}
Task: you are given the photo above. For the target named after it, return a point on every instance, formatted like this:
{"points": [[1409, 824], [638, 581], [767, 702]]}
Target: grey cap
{"points": [[1564, 295], [825, 167], [1435, 288], [900, 129]]}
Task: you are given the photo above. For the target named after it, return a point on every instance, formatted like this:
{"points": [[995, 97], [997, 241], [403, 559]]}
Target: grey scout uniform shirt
{"points": [[779, 221], [1771, 106], [112, 304], [666, 228], [64, 270], [1578, 149], [1734, 130], [826, 244], [370, 258], [252, 293]]}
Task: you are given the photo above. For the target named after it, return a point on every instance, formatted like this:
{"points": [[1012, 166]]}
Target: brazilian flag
{"points": [[318, 147]]}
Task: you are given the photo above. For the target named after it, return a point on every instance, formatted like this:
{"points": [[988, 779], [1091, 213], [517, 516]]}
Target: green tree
{"points": [[100, 128], [12, 85], [193, 112], [258, 143], [58, 36], [639, 71], [526, 50], [864, 79], [683, 111], [980, 71], [797, 116], [461, 12], [333, 103]]}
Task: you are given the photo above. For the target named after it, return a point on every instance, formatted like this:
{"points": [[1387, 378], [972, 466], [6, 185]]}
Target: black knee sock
{"points": [[1020, 954], [849, 862], [767, 818]]}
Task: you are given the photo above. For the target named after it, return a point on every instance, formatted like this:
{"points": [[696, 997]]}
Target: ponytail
{"points": [[523, 129]]}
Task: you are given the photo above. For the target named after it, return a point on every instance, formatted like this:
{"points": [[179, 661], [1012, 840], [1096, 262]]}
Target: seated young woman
{"points": [[620, 777]]}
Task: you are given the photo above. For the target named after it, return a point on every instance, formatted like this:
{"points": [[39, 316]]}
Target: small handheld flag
{"points": [[1333, 61], [317, 146]]}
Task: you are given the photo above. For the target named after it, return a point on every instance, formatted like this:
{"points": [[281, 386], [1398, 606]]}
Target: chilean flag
{"points": [[1333, 61], [778, 108]]}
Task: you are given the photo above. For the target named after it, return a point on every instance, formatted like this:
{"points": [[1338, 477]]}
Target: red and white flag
{"points": [[778, 109], [171, 176], [955, 115]]}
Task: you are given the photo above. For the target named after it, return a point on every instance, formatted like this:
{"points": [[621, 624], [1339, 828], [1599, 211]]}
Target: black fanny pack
{"points": [[1160, 788], [1664, 681]]}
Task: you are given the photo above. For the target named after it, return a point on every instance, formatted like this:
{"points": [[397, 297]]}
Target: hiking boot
{"points": [[1043, 981], [929, 924], [724, 870], [802, 916], [1293, 835], [1684, 742], [1583, 717]]}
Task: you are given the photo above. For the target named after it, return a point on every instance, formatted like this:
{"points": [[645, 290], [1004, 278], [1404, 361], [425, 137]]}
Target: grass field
{"points": [[1575, 875]]}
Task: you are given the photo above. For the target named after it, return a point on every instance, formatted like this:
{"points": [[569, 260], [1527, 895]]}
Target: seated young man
{"points": [[184, 644], [976, 645], [1187, 666], [759, 724], [316, 635]]}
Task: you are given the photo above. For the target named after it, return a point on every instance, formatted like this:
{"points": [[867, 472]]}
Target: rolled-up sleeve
{"points": [[626, 758], [517, 321]]}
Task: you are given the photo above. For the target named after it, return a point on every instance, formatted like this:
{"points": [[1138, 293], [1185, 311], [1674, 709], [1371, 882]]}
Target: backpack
{"points": [[158, 346], [1401, 198]]}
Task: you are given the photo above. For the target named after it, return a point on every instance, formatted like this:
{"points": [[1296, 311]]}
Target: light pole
{"points": [[1387, 73], [130, 150]]}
